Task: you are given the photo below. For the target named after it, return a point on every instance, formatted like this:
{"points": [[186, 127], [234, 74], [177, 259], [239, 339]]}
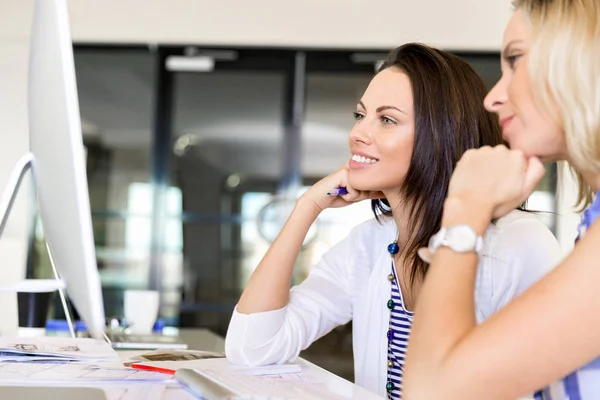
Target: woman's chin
{"points": [[365, 188], [530, 150], [358, 184]]}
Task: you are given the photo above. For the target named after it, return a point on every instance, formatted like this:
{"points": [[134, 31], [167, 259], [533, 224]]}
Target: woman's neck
{"points": [[592, 179], [400, 214]]}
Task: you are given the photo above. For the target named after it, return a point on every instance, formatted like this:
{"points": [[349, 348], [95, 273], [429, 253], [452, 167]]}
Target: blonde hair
{"points": [[564, 69]]}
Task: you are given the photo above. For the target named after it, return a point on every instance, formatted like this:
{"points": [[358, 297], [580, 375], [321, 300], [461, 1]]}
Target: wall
{"points": [[457, 24]]}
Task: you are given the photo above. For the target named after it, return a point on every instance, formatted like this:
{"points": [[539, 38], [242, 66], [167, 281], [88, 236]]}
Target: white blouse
{"points": [[351, 283]]}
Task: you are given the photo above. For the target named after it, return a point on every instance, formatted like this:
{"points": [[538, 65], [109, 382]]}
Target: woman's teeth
{"points": [[363, 159]]}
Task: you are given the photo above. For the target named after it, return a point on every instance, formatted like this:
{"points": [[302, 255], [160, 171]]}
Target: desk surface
{"points": [[333, 387], [336, 387]]}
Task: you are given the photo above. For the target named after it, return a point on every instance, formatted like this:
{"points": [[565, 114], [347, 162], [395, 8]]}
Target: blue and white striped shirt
{"points": [[399, 329], [584, 383]]}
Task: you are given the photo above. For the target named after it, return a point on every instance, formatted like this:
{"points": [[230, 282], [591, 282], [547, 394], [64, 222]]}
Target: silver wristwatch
{"points": [[460, 238]]}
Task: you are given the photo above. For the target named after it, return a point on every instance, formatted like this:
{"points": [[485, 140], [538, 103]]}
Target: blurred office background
{"points": [[199, 116]]}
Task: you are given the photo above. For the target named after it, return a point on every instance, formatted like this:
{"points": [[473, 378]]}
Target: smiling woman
{"points": [[419, 114]]}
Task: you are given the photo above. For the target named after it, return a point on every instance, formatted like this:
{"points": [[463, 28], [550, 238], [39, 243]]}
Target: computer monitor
{"points": [[59, 167]]}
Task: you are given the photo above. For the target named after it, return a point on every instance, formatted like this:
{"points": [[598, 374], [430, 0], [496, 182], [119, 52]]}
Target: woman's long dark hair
{"points": [[449, 119]]}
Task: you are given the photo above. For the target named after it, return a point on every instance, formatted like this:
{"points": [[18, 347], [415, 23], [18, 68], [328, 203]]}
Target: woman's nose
{"points": [[497, 97], [359, 134]]}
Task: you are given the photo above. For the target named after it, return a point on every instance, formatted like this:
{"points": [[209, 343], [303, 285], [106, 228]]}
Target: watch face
{"points": [[461, 238], [436, 240]]}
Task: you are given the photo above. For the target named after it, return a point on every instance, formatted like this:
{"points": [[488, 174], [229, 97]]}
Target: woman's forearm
{"points": [[269, 286], [443, 320]]}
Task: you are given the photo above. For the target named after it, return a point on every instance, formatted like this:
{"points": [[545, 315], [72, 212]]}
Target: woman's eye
{"points": [[388, 121], [358, 116], [512, 60]]}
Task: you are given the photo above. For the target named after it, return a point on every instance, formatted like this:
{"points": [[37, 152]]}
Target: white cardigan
{"points": [[350, 283]]}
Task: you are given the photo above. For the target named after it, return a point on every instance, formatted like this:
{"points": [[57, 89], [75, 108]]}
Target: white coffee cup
{"points": [[141, 310]]}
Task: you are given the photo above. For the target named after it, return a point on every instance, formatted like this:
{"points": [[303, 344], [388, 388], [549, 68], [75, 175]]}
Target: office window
{"points": [[227, 140], [116, 92]]}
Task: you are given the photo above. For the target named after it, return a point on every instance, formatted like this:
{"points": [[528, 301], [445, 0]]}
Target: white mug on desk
{"points": [[141, 310]]}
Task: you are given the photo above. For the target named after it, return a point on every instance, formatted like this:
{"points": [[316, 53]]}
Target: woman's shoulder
{"points": [[521, 230], [382, 226], [520, 247], [368, 236], [519, 250], [357, 254], [375, 231]]}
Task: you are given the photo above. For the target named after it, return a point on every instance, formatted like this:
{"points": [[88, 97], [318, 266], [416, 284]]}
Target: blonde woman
{"points": [[546, 341]]}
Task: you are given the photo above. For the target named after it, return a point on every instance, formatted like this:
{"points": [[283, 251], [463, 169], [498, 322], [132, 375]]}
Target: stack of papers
{"points": [[80, 362], [56, 349], [73, 373]]}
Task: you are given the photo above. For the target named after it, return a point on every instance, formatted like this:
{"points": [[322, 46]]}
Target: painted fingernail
{"points": [[338, 191]]}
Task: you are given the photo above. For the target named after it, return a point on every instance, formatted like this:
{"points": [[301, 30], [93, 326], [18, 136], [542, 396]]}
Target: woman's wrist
{"points": [[467, 211], [307, 206]]}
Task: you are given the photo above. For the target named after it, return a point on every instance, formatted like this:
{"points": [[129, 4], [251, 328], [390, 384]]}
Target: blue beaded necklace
{"points": [[393, 249]]}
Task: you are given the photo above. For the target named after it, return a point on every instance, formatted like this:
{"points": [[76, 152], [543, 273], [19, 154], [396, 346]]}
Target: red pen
{"points": [[153, 368]]}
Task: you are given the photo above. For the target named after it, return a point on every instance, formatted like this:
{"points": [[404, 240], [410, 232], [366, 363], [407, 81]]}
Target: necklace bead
{"points": [[393, 248], [390, 304]]}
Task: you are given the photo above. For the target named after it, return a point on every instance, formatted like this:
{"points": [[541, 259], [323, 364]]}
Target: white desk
{"points": [[335, 387]]}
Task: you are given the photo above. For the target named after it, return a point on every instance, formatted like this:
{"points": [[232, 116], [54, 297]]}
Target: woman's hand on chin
{"points": [[322, 195], [492, 181]]}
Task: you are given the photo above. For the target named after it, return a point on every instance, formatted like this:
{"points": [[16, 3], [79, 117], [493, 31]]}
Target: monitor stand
{"points": [[25, 164]]}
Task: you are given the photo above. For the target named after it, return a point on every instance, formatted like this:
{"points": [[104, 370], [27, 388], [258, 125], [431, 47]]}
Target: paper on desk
{"points": [[117, 383], [294, 386], [221, 364], [290, 386], [73, 373], [275, 378], [78, 349]]}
